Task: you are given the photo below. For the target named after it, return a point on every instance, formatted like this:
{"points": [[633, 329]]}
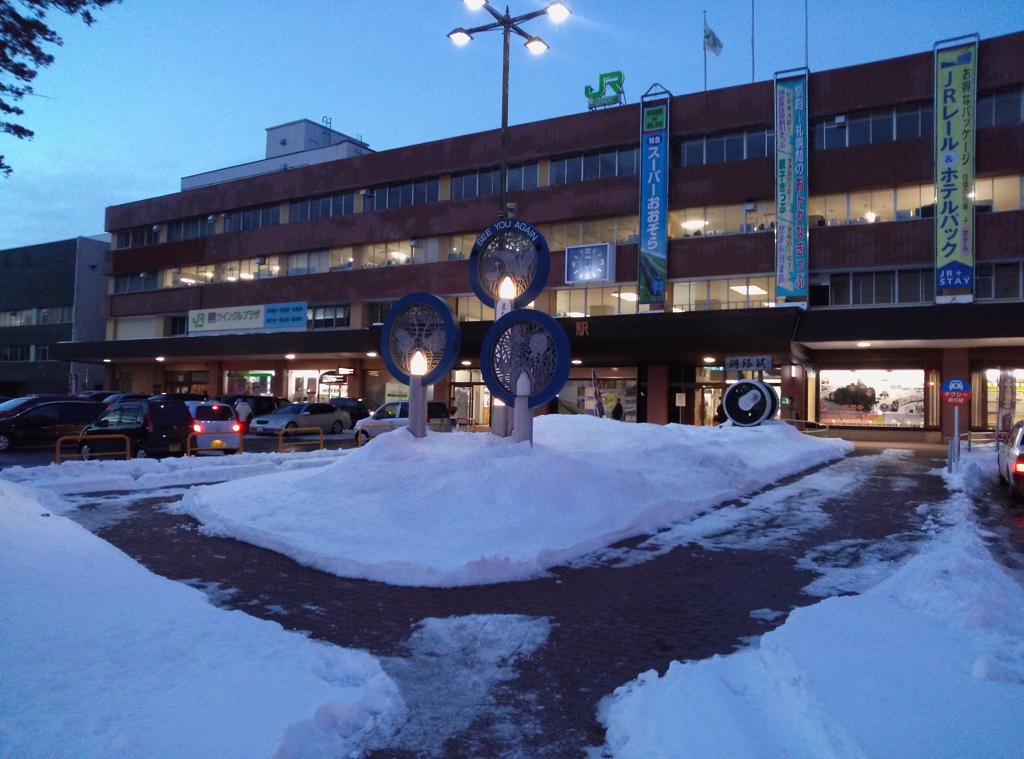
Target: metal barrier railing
{"points": [[80, 438], [363, 439], [295, 443], [197, 435], [806, 426], [983, 437]]}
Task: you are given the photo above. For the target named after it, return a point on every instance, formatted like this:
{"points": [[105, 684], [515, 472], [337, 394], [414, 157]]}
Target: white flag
{"points": [[711, 41]]}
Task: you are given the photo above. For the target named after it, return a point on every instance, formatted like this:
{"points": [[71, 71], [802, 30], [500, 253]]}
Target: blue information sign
{"points": [[654, 153], [284, 315]]}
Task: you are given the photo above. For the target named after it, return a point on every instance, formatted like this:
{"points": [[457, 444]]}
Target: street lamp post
{"points": [[508, 24]]}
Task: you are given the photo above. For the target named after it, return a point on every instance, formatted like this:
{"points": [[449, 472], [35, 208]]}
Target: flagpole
{"points": [[807, 56], [751, 41], [705, 52]]}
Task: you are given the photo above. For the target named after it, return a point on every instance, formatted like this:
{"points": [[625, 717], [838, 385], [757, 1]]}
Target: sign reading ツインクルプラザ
{"points": [[260, 318]]}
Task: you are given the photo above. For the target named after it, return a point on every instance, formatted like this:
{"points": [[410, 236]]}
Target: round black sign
{"points": [[747, 403]]}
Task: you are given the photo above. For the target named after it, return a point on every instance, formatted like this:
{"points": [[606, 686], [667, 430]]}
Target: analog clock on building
{"points": [[590, 263]]}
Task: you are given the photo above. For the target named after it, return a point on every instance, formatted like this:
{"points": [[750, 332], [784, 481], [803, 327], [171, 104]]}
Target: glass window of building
{"points": [[342, 258], [872, 397], [1006, 108], [627, 161], [858, 130], [556, 172], [882, 126], [756, 147], [627, 229], [908, 123], [714, 149], [343, 205], [693, 152], [591, 166]]}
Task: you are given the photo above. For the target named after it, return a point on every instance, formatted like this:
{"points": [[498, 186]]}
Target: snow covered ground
{"points": [[99, 657], [929, 662]]}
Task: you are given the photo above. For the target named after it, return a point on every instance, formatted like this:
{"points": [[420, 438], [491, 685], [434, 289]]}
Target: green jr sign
{"points": [[599, 98]]}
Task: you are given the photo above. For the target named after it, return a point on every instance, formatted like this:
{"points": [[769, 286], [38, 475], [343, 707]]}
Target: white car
{"points": [[328, 418], [395, 414], [215, 427]]}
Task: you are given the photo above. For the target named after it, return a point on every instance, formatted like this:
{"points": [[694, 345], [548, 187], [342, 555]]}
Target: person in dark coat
{"points": [[617, 413], [720, 415]]}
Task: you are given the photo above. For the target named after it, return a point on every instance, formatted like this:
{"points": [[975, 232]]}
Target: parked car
{"points": [[395, 414], [43, 423], [154, 428], [261, 405], [94, 395], [113, 398], [215, 426], [355, 408], [294, 415], [1011, 460], [18, 405]]}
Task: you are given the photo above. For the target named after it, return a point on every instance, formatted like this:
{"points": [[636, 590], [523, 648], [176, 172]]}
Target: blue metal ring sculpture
{"points": [[509, 248], [529, 341], [420, 322]]}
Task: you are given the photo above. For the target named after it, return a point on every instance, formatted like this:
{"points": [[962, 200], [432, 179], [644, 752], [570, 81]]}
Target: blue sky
{"points": [[158, 89]]}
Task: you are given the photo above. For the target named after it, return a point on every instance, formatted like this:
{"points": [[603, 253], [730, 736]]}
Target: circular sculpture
{"points": [[509, 248], [747, 403], [525, 341], [420, 322]]}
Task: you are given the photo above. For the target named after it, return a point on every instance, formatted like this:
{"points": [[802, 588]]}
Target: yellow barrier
{"points": [[80, 438], [296, 431], [363, 439], [188, 441]]}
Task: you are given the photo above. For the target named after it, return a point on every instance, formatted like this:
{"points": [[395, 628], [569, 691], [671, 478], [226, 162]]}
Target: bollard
{"points": [[949, 457]]}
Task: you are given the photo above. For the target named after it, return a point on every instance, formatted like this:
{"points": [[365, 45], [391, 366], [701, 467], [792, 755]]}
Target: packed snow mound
{"points": [[463, 509], [101, 658]]}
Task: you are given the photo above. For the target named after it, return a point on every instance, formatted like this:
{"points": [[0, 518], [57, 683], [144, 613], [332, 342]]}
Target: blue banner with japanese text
{"points": [[791, 189], [654, 168], [955, 80]]}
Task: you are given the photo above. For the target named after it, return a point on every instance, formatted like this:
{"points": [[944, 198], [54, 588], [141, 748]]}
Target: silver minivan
{"points": [[395, 414]]}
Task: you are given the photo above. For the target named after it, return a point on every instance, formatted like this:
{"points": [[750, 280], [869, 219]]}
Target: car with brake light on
{"points": [[215, 427], [328, 418], [1011, 460], [395, 414], [153, 429]]}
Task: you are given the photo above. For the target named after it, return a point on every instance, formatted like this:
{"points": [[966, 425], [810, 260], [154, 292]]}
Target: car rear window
{"points": [[13, 404], [169, 412], [214, 414]]}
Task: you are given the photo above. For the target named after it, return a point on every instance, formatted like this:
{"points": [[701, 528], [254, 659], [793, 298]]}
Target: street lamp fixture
{"points": [[508, 24]]}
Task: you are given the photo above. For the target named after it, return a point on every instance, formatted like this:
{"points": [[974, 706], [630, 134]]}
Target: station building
{"points": [[275, 278]]}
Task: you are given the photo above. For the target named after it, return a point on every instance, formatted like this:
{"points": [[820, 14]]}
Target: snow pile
{"points": [[104, 475], [929, 662], [101, 658], [463, 509]]}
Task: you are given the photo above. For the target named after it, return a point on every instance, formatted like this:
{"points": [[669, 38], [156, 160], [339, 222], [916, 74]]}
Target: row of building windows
{"points": [[998, 281], [24, 352], [622, 162], [190, 229], [872, 288], [401, 195], [310, 209], [27, 317], [252, 218], [732, 146], [886, 125]]}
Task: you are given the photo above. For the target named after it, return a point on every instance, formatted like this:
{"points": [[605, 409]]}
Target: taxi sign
{"points": [[955, 391]]}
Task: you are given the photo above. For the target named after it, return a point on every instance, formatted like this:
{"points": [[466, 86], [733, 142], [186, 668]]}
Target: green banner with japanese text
{"points": [[956, 70]]}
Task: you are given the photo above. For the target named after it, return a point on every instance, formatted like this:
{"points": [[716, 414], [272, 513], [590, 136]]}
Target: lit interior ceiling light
{"points": [[577, 361], [371, 354], [709, 360], [751, 290], [188, 281], [245, 276], [870, 216], [692, 225], [863, 345], [289, 356], [106, 361], [576, 314], [208, 274], [231, 279], [467, 363], [631, 297], [159, 358]]}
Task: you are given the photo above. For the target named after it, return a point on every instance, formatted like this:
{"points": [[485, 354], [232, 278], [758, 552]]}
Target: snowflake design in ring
{"points": [[528, 347], [508, 254], [418, 328]]}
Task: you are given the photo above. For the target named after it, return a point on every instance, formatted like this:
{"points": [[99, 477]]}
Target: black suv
{"points": [[155, 428], [42, 421], [261, 405], [356, 410]]}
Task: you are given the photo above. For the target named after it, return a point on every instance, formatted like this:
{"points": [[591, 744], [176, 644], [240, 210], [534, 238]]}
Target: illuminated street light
{"points": [[557, 12]]}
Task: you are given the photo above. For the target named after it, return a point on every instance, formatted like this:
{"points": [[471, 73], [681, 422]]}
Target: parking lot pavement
{"points": [[608, 623]]}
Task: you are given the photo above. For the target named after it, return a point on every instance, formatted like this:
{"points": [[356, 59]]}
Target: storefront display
{"points": [[1004, 397], [874, 397], [317, 385]]}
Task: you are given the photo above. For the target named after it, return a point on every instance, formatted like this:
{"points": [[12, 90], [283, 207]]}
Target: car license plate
{"points": [[218, 444], [174, 447]]}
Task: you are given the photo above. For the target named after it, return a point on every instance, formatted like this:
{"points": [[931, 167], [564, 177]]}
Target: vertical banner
{"points": [[956, 71], [791, 184], [654, 149]]}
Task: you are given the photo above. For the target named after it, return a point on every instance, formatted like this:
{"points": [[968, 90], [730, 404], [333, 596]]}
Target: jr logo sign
{"points": [[601, 97]]}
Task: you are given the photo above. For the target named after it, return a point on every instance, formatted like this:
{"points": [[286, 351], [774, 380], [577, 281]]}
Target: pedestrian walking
{"points": [[617, 412], [243, 411]]}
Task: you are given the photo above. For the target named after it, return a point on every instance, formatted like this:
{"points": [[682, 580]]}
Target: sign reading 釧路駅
{"points": [[274, 316], [654, 150], [791, 184], [748, 364], [955, 81]]}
